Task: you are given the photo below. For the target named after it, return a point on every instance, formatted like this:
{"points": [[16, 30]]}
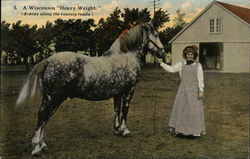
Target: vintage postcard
{"points": [[124, 79]]}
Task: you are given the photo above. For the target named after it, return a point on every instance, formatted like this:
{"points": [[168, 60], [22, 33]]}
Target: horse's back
{"points": [[63, 68], [66, 57], [64, 63]]}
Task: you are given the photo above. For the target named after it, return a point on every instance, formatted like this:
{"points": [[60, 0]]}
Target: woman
{"points": [[187, 116]]}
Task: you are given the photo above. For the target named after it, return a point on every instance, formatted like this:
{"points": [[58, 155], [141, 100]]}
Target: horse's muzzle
{"points": [[160, 53]]}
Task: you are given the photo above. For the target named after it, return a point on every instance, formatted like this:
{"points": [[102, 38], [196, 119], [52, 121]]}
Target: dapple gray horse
{"points": [[113, 75]]}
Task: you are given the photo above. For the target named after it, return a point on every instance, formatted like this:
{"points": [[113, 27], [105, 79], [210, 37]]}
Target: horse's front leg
{"points": [[117, 110], [125, 107]]}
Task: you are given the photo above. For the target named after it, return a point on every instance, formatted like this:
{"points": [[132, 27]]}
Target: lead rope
{"points": [[155, 102], [154, 124]]}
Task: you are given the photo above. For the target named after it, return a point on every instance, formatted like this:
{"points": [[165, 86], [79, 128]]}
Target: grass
{"points": [[84, 129]]}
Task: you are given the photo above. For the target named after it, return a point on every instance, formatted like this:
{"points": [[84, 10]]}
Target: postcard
{"points": [[124, 79]]}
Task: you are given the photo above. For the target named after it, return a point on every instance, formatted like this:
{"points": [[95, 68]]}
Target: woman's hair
{"points": [[191, 48]]}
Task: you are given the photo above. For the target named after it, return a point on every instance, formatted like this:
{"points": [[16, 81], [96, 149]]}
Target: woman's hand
{"points": [[200, 95], [158, 60]]}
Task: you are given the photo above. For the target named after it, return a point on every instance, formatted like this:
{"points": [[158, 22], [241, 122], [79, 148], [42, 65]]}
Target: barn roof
{"points": [[241, 13]]}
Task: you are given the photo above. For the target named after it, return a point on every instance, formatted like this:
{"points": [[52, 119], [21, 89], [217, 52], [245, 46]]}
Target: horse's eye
{"points": [[155, 34]]}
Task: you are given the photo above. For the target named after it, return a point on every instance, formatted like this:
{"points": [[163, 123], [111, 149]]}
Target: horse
{"points": [[72, 75]]}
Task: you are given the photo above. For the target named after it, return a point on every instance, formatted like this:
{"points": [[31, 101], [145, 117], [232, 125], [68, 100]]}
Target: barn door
{"points": [[210, 56]]}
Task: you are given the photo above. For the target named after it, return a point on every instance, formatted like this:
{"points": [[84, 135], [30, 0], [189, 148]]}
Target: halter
{"points": [[150, 40]]}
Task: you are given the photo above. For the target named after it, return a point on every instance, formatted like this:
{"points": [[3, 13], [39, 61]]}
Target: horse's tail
{"points": [[33, 81]]}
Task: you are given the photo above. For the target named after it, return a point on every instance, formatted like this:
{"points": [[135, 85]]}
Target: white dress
{"points": [[187, 115]]}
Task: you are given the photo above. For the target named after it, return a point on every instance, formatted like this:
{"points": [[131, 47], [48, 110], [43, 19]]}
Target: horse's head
{"points": [[152, 40], [139, 37]]}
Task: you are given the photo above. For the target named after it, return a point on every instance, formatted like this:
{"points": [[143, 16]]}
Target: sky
{"points": [[14, 10]]}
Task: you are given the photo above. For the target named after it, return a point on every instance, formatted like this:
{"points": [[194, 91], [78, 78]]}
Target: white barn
{"points": [[222, 34]]}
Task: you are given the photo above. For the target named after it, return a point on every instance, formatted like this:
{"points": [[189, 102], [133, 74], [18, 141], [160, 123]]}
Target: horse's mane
{"points": [[131, 39], [128, 40]]}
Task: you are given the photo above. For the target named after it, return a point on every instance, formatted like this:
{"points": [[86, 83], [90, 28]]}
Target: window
{"points": [[218, 25], [211, 25], [215, 25]]}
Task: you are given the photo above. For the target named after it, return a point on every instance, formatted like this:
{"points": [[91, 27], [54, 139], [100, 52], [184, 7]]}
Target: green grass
{"points": [[84, 129]]}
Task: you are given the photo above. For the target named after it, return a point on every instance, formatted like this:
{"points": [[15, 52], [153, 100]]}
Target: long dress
{"points": [[187, 116]]}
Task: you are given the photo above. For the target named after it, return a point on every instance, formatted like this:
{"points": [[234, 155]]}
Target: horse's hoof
{"points": [[126, 133], [117, 132], [38, 147]]}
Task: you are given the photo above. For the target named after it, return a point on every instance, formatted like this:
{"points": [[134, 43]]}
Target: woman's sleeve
{"points": [[200, 78], [175, 68]]}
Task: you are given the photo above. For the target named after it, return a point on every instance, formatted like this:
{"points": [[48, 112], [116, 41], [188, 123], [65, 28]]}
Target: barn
{"points": [[222, 34]]}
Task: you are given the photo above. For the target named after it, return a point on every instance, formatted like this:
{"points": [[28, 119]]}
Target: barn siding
{"points": [[236, 57], [235, 37], [232, 29]]}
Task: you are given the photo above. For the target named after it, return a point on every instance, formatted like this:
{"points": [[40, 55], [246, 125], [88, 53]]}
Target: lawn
{"points": [[84, 129]]}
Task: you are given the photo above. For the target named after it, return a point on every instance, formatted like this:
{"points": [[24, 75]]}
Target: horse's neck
{"points": [[115, 47]]}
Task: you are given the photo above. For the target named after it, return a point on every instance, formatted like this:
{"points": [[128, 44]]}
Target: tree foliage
{"points": [[6, 42], [167, 34], [179, 19], [45, 39], [132, 17], [170, 32], [5, 36], [18, 41], [108, 30], [22, 40], [160, 18], [73, 35]]}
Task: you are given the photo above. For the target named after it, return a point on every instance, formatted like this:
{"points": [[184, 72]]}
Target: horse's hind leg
{"points": [[47, 109], [125, 107], [117, 110]]}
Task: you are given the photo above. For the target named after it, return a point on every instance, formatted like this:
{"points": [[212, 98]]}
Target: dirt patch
{"points": [[84, 129]]}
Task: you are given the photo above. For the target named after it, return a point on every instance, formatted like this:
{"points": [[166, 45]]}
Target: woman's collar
{"points": [[185, 62]]}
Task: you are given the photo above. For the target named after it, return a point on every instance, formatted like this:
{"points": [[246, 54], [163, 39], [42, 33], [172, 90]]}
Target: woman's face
{"points": [[190, 56]]}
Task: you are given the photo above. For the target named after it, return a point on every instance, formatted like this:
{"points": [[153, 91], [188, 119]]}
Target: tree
{"points": [[73, 35], [6, 41], [45, 39], [169, 33], [24, 41], [108, 30], [132, 17], [160, 18], [179, 19]]}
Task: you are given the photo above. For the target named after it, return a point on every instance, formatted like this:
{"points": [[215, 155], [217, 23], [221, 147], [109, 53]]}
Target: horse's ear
{"points": [[151, 23], [147, 27]]}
